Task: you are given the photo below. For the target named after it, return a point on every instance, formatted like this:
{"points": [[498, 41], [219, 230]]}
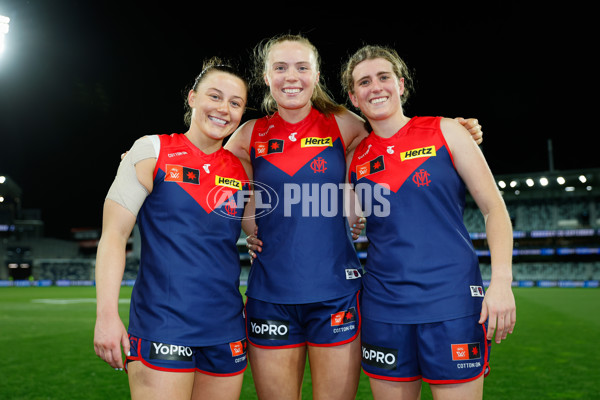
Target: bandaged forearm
{"points": [[126, 189]]}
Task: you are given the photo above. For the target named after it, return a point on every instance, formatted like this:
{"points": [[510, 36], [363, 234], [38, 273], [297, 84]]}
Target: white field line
{"points": [[71, 301]]}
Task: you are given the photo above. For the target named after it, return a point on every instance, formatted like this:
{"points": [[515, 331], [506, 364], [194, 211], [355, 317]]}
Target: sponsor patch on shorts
{"points": [[466, 351], [379, 357], [238, 348], [172, 352], [343, 317], [269, 329]]}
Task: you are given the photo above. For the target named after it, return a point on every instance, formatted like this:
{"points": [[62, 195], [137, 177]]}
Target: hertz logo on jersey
{"points": [[316, 142], [228, 182], [416, 153]]}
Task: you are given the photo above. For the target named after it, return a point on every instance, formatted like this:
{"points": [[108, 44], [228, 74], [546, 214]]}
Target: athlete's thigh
{"points": [[471, 390], [395, 390], [335, 370], [146, 383], [277, 372], [210, 387]]}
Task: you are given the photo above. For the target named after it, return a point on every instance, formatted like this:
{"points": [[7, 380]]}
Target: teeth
{"points": [[379, 100], [218, 120], [291, 91]]}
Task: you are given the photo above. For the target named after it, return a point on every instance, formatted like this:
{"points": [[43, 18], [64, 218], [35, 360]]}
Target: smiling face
{"points": [[377, 90], [217, 104], [291, 74]]}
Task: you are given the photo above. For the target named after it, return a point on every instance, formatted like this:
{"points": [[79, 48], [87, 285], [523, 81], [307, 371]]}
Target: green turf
{"points": [[47, 353]]}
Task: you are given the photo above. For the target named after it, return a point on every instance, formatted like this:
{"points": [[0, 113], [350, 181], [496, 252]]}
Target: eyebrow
{"points": [[377, 74], [221, 92], [295, 63]]}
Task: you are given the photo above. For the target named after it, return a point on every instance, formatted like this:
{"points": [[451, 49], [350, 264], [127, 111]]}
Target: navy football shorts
{"points": [[327, 323], [453, 351], [220, 360]]}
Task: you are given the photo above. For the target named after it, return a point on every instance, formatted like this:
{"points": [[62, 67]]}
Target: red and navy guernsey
{"points": [[421, 265], [187, 289], [308, 255]]}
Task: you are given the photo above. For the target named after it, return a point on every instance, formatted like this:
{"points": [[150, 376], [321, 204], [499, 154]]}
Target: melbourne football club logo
{"points": [[421, 178], [318, 165]]}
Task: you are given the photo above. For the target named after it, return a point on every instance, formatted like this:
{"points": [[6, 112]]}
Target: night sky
{"points": [[81, 80]]}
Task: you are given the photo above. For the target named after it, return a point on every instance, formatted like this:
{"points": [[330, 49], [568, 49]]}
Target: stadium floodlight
{"points": [[502, 184], [2, 179], [529, 182], [3, 30], [513, 184], [582, 179], [560, 180], [543, 181]]}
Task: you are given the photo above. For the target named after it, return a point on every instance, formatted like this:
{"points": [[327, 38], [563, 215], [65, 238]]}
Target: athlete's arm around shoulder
{"points": [[352, 128], [499, 302], [352, 206], [239, 145], [239, 142]]}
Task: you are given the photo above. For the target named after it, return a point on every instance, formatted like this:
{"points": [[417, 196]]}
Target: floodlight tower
{"points": [[3, 31]]}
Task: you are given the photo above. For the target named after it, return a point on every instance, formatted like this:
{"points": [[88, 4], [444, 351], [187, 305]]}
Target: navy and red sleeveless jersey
{"points": [[421, 265], [308, 255], [187, 289]]}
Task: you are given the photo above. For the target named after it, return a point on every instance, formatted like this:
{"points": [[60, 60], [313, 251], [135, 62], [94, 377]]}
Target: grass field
{"points": [[46, 348]]}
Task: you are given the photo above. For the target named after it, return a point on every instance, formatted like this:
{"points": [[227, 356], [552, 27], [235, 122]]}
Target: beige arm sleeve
{"points": [[126, 189]]}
